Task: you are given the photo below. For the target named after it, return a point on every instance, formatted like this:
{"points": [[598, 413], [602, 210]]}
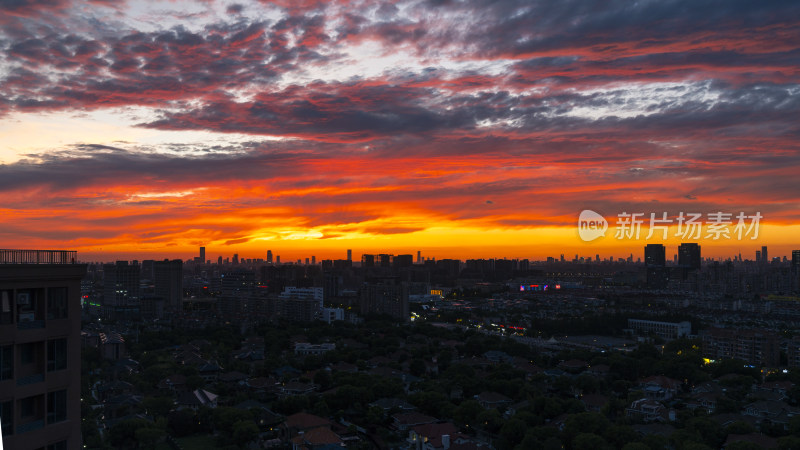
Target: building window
{"points": [[7, 416], [6, 307], [28, 305], [56, 355], [27, 407], [27, 353], [57, 406], [57, 303], [61, 445], [6, 362]]}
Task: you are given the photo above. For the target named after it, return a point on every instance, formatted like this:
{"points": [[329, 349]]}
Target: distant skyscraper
{"points": [[236, 258], [349, 255], [202, 255], [313, 260], [419, 257], [689, 255], [219, 260], [269, 256], [655, 255], [764, 255], [758, 255], [796, 258], [277, 259]]}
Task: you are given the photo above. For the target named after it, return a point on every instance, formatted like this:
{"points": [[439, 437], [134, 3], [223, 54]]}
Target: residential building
{"points": [[40, 345], [756, 347], [168, 278], [666, 330]]}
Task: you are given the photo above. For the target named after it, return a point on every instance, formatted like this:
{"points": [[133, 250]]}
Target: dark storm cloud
{"points": [[94, 165]]}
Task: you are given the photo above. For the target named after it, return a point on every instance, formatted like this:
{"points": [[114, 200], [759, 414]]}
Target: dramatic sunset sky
{"points": [[462, 129]]}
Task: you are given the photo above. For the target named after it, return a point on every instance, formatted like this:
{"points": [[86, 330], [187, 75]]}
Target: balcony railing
{"points": [[38, 256], [30, 426], [30, 325], [30, 379]]}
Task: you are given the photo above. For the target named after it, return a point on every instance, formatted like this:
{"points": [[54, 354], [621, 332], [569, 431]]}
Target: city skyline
{"points": [[460, 129]]}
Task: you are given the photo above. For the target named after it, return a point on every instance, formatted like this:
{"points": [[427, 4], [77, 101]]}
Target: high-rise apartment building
{"points": [[168, 281], [121, 290], [689, 255], [40, 348], [655, 255]]}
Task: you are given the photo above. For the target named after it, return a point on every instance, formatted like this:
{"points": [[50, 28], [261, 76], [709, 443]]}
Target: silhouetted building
{"points": [[349, 255], [168, 280], [655, 255], [756, 347], [269, 256], [666, 330], [655, 261], [689, 255], [384, 260], [367, 260], [40, 350], [385, 296], [121, 290], [401, 261], [202, 255]]}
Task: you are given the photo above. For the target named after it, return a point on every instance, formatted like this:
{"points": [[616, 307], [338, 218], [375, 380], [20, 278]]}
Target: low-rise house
{"points": [[232, 378], [659, 387], [704, 400], [305, 348], [490, 400], [766, 409], [649, 410], [433, 436], [175, 382], [293, 388], [210, 371], [389, 404], [573, 365], [197, 399], [780, 388], [112, 389], [406, 421], [321, 438], [304, 422]]}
